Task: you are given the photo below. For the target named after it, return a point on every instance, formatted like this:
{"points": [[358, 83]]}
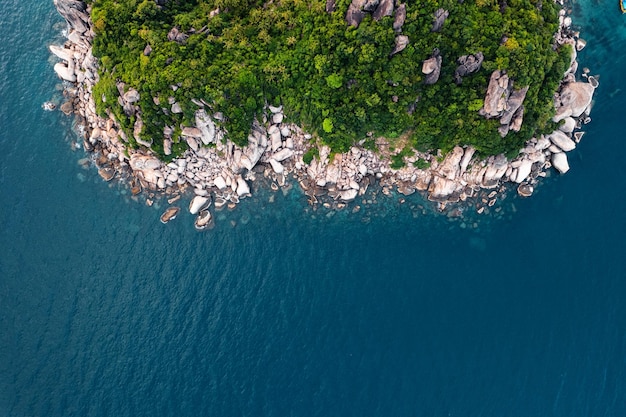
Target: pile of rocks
{"points": [[219, 171]]}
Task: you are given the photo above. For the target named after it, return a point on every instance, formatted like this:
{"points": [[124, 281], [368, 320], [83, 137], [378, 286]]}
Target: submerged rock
{"points": [[107, 174], [203, 220], [169, 214]]}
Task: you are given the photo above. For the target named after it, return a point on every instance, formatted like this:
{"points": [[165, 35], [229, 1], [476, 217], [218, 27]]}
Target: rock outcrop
{"points": [[75, 13], [504, 103], [468, 64], [573, 100], [401, 42], [432, 68], [399, 17], [439, 18], [215, 168]]}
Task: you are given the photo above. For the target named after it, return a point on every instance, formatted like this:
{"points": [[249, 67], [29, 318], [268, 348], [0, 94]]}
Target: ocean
{"points": [[285, 311]]}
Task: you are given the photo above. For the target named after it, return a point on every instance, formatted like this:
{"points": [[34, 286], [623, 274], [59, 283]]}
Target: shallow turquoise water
{"points": [[104, 311]]}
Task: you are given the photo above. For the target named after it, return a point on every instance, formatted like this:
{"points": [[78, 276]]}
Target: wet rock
{"points": [[66, 72], [75, 13], [62, 53], [242, 187], [169, 214], [107, 174], [348, 195], [559, 162], [525, 190], [203, 220], [198, 203]]}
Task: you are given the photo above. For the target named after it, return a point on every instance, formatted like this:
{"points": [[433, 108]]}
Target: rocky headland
{"points": [[213, 170]]}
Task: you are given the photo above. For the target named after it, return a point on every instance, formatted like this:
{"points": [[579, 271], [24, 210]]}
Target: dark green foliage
{"points": [[310, 154], [397, 160], [336, 81], [421, 164]]}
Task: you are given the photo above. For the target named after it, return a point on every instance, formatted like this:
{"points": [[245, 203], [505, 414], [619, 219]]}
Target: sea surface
{"points": [[284, 311]]}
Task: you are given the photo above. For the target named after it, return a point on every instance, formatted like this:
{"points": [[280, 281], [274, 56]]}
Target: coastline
{"points": [[216, 170]]}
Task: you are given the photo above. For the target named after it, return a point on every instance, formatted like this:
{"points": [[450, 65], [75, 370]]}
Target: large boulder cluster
{"points": [[504, 103], [218, 172], [358, 9]]}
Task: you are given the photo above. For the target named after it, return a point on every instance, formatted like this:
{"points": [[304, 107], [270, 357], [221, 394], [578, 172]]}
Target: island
{"points": [[453, 99]]}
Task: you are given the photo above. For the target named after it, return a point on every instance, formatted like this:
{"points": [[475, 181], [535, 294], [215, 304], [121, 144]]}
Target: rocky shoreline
{"points": [[217, 171]]}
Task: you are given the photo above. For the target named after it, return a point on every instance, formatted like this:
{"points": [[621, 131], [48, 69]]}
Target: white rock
{"points": [[561, 140], [523, 171], [289, 143], [193, 144], [197, 204], [285, 132], [276, 109], [131, 96], [176, 109], [559, 161], [65, 72], [277, 166], [206, 126], [348, 195], [192, 131], [276, 139], [277, 118], [283, 154], [568, 126], [242, 187], [363, 169], [220, 183], [467, 157], [63, 53]]}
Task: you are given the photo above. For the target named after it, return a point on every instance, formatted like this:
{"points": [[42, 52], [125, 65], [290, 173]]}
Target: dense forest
{"points": [[335, 80]]}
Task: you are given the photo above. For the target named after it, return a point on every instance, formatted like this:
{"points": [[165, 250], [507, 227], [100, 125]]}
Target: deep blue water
{"points": [[106, 312]]}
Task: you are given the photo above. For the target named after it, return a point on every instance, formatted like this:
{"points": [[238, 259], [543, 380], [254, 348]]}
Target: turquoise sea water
{"points": [[106, 312]]}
